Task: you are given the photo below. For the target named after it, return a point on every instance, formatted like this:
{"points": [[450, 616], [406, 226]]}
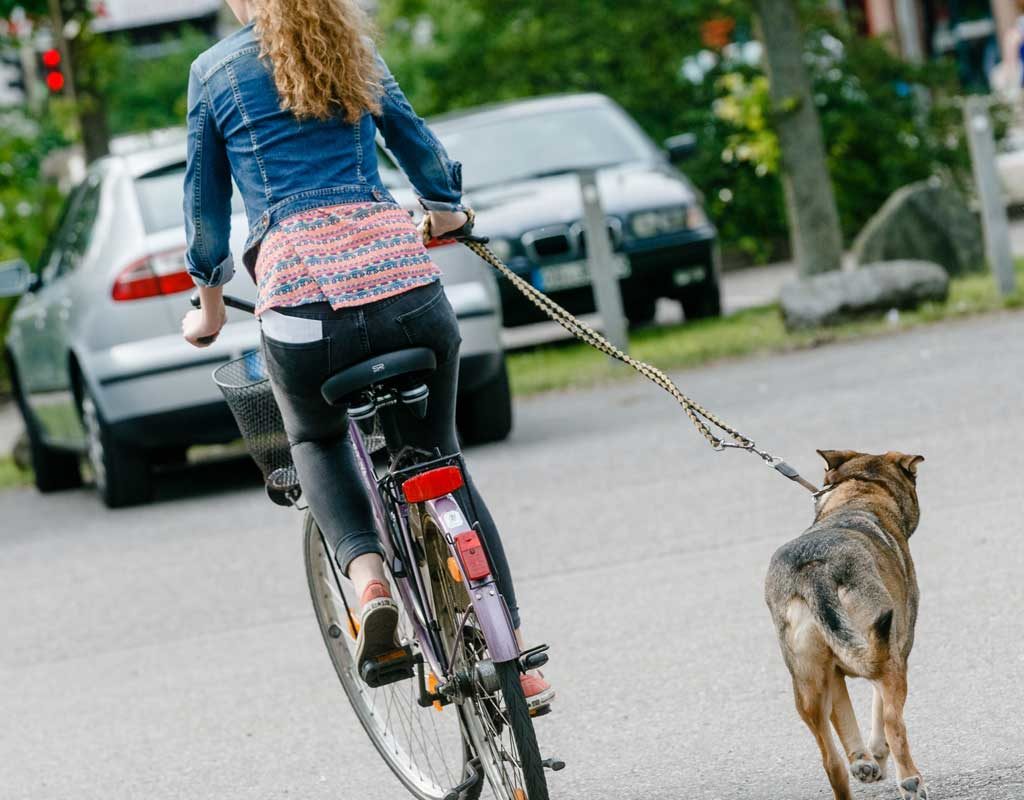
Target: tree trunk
{"points": [[80, 77], [815, 234]]}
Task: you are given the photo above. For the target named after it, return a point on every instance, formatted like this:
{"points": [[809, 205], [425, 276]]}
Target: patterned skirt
{"points": [[347, 255]]}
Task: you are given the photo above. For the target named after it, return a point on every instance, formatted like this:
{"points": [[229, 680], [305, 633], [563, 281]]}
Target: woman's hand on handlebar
{"points": [[201, 326]]}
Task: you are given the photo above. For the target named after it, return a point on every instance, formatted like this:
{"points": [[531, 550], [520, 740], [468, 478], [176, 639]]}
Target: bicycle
{"points": [[446, 711]]}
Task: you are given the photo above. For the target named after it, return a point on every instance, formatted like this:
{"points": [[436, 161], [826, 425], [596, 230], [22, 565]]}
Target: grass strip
{"points": [[754, 331], [11, 475]]}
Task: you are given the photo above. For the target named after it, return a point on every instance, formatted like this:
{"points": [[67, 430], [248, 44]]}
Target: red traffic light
{"points": [[54, 82], [51, 59]]}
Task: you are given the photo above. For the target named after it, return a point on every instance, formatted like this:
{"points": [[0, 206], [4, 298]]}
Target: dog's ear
{"points": [[909, 464], [836, 458]]}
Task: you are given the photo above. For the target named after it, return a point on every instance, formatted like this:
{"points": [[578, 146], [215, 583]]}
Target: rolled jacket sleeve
{"points": [[435, 177], [207, 193]]}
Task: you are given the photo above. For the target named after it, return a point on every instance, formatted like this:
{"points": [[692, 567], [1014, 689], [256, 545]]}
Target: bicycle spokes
{"points": [[424, 748]]}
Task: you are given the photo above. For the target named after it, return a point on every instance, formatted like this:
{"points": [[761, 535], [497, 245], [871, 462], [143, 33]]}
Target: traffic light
{"points": [[53, 70]]}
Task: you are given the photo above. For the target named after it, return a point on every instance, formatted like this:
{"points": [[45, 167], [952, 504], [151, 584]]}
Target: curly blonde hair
{"points": [[322, 56]]}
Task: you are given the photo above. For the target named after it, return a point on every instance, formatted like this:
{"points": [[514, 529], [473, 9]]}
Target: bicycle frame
{"points": [[396, 538]]}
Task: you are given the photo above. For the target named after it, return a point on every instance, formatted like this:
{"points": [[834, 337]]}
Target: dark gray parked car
{"points": [[519, 162]]}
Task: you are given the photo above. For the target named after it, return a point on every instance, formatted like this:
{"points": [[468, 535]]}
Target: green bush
{"points": [[28, 203], [886, 123], [151, 91]]}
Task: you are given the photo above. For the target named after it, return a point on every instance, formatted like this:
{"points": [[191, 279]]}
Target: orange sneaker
{"points": [[378, 625], [538, 691]]}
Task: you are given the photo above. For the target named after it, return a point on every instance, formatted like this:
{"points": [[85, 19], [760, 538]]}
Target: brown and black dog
{"points": [[844, 597]]}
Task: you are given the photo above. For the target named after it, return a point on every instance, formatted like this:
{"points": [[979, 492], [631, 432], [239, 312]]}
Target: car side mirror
{"points": [[16, 278], [681, 146]]}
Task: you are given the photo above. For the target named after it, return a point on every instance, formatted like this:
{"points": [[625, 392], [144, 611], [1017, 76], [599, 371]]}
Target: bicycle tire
{"points": [[484, 718], [398, 755], [521, 724]]}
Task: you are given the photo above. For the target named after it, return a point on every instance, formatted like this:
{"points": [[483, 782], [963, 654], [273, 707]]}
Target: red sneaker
{"points": [[537, 690], [378, 626]]}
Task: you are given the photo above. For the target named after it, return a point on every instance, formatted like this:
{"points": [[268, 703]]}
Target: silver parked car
{"points": [[98, 364]]}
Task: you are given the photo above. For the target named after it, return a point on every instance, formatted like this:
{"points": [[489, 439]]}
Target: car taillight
{"points": [[153, 276], [440, 243]]}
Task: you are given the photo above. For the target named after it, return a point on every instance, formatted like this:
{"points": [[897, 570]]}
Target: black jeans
{"points": [[319, 434]]}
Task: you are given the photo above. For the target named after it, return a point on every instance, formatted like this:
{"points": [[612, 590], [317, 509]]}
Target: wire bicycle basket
{"points": [[246, 388]]}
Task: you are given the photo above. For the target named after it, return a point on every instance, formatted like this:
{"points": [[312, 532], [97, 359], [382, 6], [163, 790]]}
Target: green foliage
{"points": [[29, 204], [886, 123], [150, 92]]}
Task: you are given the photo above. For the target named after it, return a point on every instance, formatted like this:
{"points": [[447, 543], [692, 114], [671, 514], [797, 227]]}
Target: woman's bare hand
{"points": [[203, 324], [437, 223]]}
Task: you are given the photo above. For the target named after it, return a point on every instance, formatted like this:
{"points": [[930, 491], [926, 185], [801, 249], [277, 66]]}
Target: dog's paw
{"points": [[882, 759], [913, 789], [865, 769]]}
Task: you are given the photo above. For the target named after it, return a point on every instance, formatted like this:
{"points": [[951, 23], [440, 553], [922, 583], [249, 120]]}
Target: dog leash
{"points": [[702, 419]]}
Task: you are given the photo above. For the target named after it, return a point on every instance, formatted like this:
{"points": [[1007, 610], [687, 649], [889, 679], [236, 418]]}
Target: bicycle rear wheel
{"points": [[425, 748], [494, 707]]}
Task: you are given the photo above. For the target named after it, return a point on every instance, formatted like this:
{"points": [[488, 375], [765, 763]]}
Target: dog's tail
{"points": [[863, 650]]}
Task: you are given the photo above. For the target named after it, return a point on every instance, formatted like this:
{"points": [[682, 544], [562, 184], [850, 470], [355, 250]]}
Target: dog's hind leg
{"points": [[814, 702], [879, 746], [893, 685], [862, 765]]}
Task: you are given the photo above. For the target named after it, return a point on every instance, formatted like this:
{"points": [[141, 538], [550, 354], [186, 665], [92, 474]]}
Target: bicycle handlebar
{"points": [[229, 301]]}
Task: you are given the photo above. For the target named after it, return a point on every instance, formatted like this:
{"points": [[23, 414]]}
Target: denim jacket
{"points": [[236, 128]]}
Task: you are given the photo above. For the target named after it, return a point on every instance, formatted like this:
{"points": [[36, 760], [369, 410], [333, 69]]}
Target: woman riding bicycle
{"points": [[289, 107]]}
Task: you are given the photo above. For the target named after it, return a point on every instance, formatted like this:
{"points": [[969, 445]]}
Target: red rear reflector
{"points": [[474, 560], [433, 484], [440, 243]]}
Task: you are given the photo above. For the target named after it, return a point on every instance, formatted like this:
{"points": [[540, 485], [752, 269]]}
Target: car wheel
{"points": [[54, 470], [485, 414], [122, 474], [640, 310], [702, 302]]}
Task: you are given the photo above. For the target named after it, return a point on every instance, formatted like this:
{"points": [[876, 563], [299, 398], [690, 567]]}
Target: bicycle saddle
{"points": [[413, 362]]}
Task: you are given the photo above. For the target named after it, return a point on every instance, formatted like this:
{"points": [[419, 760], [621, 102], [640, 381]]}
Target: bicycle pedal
{"points": [[397, 665], [553, 764]]}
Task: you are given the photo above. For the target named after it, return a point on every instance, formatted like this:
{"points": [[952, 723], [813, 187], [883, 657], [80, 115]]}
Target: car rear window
{"points": [[160, 198]]}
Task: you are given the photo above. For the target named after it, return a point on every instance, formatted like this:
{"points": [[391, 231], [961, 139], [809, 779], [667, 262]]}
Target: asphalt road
{"points": [[170, 652]]}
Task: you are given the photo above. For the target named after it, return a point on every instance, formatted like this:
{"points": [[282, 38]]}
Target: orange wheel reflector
{"points": [[519, 794], [353, 626], [432, 484], [453, 569], [432, 684], [394, 655]]}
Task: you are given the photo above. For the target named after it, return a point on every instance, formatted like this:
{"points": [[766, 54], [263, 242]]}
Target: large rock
{"points": [[926, 221], [838, 296]]}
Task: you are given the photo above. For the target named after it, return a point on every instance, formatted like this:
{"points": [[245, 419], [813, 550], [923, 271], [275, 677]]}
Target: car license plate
{"points": [[572, 274], [684, 277]]}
